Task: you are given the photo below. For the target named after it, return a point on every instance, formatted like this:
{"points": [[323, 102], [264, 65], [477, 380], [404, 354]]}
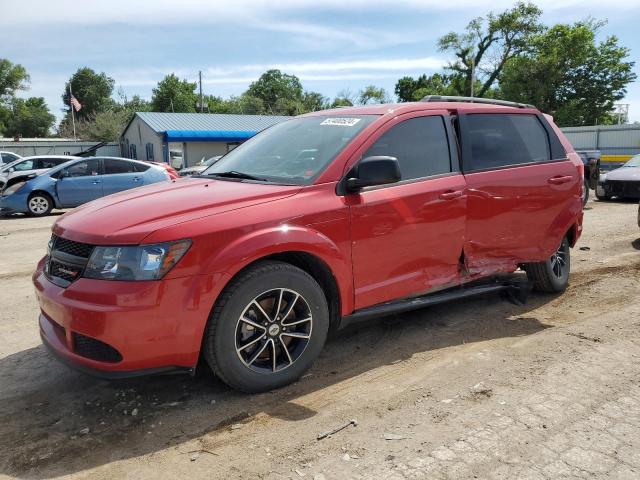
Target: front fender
{"points": [[281, 239]]}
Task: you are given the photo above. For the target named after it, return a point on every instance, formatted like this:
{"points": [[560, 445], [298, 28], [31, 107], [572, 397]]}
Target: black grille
{"points": [[72, 248], [67, 260], [95, 349], [64, 271]]}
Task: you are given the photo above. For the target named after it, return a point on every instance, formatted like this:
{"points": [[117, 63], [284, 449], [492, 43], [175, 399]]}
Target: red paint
{"points": [[382, 244]]}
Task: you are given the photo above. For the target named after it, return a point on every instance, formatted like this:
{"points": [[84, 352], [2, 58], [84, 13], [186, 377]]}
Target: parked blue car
{"points": [[74, 183]]}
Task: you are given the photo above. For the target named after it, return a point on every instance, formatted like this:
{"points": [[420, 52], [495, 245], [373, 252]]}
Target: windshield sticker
{"points": [[341, 122]]}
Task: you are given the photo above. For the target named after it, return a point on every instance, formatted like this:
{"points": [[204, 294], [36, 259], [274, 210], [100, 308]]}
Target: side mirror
{"points": [[11, 170], [372, 171]]}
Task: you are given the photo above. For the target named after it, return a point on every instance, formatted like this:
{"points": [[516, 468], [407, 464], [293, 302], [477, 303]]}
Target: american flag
{"points": [[75, 103]]}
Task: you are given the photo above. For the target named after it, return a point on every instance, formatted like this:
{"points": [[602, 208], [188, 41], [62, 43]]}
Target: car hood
{"points": [[128, 217], [624, 173]]}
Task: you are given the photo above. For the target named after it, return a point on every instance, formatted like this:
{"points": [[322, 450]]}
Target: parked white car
{"points": [[8, 157]]}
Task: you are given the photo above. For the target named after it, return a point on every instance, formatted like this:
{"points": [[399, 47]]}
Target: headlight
{"points": [[13, 189], [143, 262]]}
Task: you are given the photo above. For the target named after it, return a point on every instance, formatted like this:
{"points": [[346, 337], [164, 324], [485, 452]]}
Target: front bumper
{"points": [[120, 329], [621, 188], [15, 203]]}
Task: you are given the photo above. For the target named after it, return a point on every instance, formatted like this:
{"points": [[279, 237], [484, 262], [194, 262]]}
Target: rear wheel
{"points": [[267, 328], [552, 276], [39, 204]]}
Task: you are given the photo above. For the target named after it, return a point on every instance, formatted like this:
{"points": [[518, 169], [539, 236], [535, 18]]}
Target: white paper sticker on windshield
{"points": [[341, 122]]}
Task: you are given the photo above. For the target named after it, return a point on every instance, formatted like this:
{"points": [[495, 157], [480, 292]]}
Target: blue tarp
{"points": [[208, 135]]}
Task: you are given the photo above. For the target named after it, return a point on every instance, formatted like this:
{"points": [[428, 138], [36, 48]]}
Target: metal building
{"points": [[617, 143], [185, 139]]}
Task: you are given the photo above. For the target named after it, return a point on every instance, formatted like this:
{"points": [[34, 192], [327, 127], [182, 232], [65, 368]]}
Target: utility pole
{"points": [[73, 117], [201, 100]]}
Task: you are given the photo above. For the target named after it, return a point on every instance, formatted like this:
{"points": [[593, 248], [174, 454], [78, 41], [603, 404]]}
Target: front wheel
{"points": [[552, 276], [267, 327], [39, 205], [601, 195]]}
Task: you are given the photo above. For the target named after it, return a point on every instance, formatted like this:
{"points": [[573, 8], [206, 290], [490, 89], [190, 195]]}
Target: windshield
{"points": [[293, 152], [634, 162]]}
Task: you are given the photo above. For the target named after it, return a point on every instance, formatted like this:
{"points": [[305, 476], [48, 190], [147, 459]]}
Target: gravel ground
{"points": [[473, 389]]}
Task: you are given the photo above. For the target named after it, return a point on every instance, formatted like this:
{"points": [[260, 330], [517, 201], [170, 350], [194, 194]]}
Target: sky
{"points": [[331, 45]]}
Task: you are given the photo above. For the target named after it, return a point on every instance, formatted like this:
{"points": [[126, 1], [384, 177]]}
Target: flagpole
{"points": [[73, 117]]}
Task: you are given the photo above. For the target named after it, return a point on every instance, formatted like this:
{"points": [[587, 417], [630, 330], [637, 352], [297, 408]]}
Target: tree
{"points": [[93, 91], [29, 118], [314, 101], [174, 95], [278, 91], [345, 98], [570, 76], [489, 43], [372, 94], [410, 89], [13, 77]]}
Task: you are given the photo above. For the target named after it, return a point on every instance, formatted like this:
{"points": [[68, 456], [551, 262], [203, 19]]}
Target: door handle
{"points": [[450, 195], [136, 179], [560, 180], [96, 182]]}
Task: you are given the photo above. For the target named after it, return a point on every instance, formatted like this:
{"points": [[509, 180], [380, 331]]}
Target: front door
{"points": [[407, 237], [518, 185], [80, 183]]}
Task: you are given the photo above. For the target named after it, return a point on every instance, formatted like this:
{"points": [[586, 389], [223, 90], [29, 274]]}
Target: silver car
{"points": [[31, 165], [623, 182], [8, 157], [201, 167]]}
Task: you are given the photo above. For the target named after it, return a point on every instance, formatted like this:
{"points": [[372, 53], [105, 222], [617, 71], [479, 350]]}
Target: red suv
{"points": [[350, 212]]}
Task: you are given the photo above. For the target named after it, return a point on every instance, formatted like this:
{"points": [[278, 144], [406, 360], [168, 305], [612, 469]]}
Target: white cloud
{"points": [[214, 12]]}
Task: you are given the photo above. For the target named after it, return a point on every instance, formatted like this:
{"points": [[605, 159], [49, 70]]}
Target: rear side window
{"points": [[112, 166], [50, 162], [500, 140], [420, 145], [140, 167]]}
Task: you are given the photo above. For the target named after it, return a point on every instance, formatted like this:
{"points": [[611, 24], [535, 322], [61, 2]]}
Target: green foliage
{"points": [[93, 91], [372, 94], [29, 118], [570, 76], [281, 93], [13, 77], [489, 43], [410, 89], [174, 95]]}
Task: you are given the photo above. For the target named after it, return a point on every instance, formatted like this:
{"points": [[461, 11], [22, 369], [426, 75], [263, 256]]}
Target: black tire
{"points": [[585, 193], [600, 195], [39, 204], [552, 276], [228, 352]]}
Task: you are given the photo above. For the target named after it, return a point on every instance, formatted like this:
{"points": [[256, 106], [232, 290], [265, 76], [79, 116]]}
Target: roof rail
{"points": [[490, 101]]}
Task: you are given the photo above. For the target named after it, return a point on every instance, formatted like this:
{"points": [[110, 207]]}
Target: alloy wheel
{"points": [[273, 330], [558, 260], [38, 205]]}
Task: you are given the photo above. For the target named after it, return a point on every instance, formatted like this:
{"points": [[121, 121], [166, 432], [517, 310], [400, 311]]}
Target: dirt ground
{"points": [[474, 389]]}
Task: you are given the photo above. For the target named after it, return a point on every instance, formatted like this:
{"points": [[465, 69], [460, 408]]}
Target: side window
{"points": [[112, 166], [420, 145], [140, 167], [48, 162], [87, 168], [500, 140], [26, 165]]}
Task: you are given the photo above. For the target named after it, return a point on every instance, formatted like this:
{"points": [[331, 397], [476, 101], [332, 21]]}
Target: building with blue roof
{"points": [[186, 139]]}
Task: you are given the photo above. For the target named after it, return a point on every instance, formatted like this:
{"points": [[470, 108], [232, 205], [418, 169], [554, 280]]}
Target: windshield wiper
{"points": [[236, 174]]}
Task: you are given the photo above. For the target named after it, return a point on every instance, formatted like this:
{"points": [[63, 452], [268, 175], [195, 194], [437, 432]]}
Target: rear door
{"points": [[519, 185], [80, 183], [407, 237], [120, 175]]}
